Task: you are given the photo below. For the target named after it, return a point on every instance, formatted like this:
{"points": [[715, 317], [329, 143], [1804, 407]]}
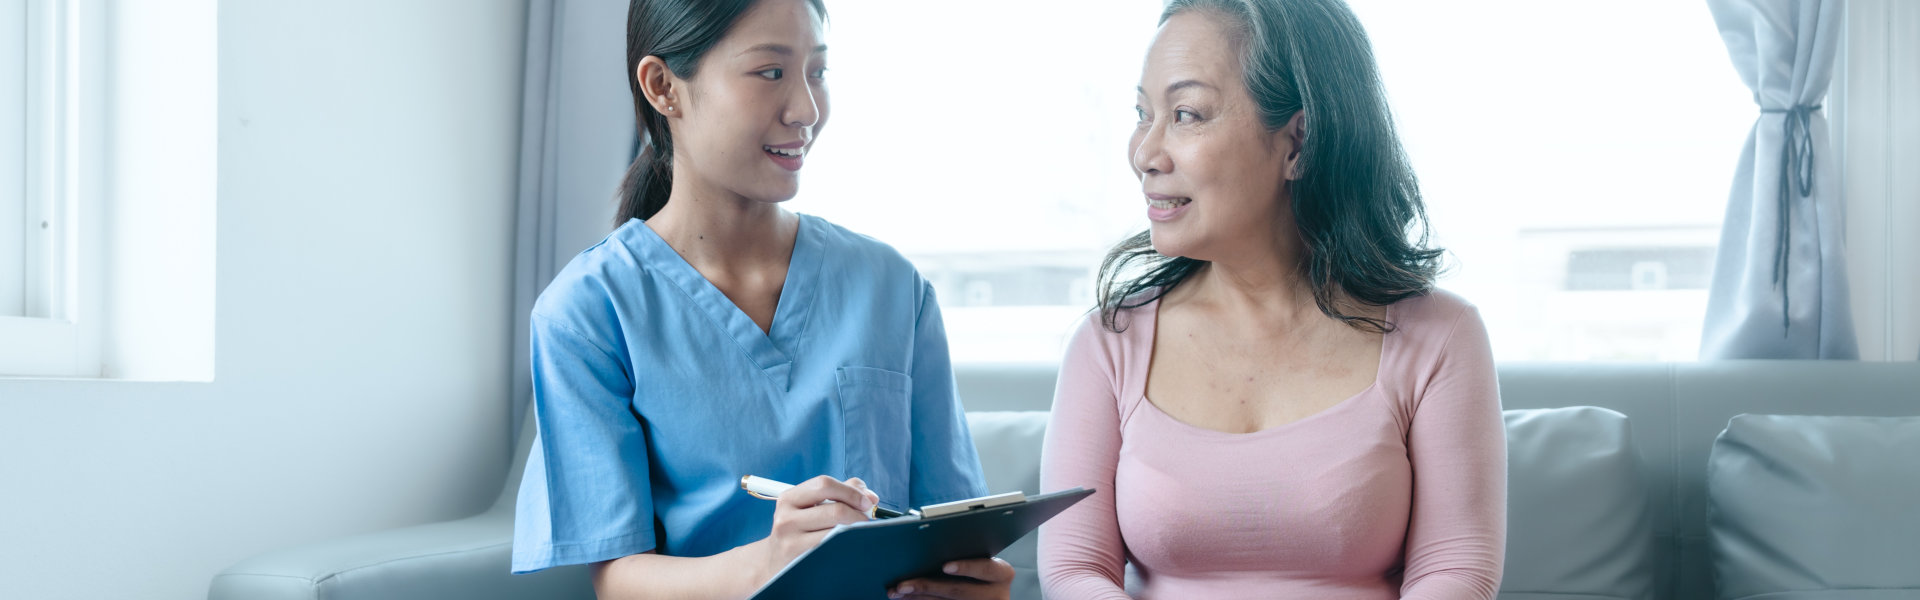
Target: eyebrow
{"points": [[780, 49], [1179, 85]]}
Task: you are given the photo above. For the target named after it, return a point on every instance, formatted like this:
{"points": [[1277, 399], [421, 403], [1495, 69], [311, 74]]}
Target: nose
{"points": [[803, 107], [1149, 152]]}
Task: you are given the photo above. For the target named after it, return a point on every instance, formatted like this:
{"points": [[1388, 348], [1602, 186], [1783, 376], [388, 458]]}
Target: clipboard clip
{"points": [[960, 506]]}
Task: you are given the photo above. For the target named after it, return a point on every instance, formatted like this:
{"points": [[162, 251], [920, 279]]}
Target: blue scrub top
{"points": [[653, 394]]}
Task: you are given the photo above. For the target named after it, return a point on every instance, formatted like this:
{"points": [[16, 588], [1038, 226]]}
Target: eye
{"points": [[772, 74], [1140, 113], [1182, 116], [820, 74]]}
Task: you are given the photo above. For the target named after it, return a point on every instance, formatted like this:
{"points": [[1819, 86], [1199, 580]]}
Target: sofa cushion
{"points": [[1009, 446], [1805, 508], [1577, 521]]}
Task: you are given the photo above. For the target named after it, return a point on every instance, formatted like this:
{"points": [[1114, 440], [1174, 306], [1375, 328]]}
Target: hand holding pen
{"points": [[768, 489], [803, 514], [965, 579]]}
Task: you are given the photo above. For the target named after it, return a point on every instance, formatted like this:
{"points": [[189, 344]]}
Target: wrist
{"points": [[756, 561]]}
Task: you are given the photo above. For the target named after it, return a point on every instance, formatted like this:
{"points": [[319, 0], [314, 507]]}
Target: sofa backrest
{"points": [[1676, 410]]}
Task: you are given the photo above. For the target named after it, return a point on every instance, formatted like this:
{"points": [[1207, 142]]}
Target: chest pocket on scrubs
{"points": [[874, 406]]}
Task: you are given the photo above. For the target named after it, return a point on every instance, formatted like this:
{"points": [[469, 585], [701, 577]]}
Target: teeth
{"points": [[787, 152], [1168, 204]]}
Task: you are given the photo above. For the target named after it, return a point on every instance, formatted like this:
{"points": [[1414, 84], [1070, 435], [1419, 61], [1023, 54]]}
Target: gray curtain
{"points": [[577, 137], [1780, 281]]}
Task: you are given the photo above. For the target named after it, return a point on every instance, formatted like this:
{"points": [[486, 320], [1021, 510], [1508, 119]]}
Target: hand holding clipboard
{"points": [[862, 560]]}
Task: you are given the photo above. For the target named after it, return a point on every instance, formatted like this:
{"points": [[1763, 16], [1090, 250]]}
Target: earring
{"points": [[669, 109]]}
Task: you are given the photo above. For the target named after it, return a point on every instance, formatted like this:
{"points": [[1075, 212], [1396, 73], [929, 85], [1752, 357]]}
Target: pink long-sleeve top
{"points": [[1396, 492]]}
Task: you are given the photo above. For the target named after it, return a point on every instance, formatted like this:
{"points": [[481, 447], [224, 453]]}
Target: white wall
{"points": [[365, 188], [161, 191]]}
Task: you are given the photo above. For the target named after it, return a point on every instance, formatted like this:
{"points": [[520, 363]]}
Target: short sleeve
{"points": [[585, 496], [946, 466]]}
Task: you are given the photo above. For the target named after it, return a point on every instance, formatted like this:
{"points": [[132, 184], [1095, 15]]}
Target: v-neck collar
{"points": [[789, 315]]}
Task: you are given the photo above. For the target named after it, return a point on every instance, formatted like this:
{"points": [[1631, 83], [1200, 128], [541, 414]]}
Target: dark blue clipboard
{"points": [[859, 561]]}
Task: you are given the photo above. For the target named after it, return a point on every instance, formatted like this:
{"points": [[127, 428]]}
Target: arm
{"points": [[731, 574], [801, 517], [586, 496], [1456, 537], [1081, 553], [945, 464]]}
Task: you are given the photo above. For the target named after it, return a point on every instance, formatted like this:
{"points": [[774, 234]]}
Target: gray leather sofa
{"points": [[1625, 486]]}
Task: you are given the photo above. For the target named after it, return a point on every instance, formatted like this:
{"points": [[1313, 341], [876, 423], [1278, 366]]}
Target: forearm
{"points": [[729, 575], [1464, 584], [1081, 583]]}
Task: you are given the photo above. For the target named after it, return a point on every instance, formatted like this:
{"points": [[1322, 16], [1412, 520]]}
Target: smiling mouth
{"points": [[1168, 204], [785, 152]]}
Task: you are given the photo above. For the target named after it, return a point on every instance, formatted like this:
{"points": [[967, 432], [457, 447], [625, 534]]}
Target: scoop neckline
{"points": [[1153, 334]]}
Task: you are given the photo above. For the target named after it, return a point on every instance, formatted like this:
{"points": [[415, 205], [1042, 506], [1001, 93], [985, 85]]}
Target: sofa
{"points": [[1609, 498]]}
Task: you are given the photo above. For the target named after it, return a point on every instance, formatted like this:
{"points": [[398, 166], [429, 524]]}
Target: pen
{"points": [[768, 489]]}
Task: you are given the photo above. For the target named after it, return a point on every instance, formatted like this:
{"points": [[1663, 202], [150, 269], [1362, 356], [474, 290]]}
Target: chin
{"points": [[775, 194], [1169, 243]]}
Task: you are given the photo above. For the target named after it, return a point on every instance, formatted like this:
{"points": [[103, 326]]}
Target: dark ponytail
{"points": [[679, 32]]}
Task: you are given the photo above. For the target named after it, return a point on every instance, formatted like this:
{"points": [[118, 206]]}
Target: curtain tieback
{"points": [[1796, 171]]}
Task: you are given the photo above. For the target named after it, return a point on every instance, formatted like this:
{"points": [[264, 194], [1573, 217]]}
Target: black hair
{"points": [[680, 32], [1356, 201]]}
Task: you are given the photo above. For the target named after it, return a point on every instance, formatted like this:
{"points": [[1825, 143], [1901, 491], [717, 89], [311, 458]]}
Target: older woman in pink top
{"points": [[1273, 401]]}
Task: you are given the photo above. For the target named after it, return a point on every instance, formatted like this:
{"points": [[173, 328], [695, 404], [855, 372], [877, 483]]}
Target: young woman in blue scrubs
{"points": [[714, 334]]}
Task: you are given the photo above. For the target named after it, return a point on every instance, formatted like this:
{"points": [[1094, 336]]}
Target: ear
{"points": [[660, 86], [1295, 135]]}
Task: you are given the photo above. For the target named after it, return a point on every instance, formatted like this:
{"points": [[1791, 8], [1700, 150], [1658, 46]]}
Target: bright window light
{"points": [[1575, 159]]}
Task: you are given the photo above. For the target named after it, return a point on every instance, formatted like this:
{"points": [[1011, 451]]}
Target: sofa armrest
{"points": [[466, 559]]}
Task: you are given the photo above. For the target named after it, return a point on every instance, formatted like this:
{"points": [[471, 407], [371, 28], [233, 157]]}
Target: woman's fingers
{"points": [[821, 503], [990, 570], [820, 489], [948, 589], [862, 485], [975, 579], [824, 517]]}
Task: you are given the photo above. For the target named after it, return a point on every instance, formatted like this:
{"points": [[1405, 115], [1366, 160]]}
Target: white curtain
{"points": [[1780, 281], [577, 137]]}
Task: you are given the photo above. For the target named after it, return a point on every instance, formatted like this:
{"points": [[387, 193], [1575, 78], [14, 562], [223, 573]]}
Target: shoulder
{"points": [[866, 272], [858, 253], [1439, 334], [583, 296], [1436, 316], [1095, 345]]}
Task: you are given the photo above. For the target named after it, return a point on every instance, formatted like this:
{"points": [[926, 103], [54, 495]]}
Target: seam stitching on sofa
{"points": [[340, 572], [226, 575], [1838, 589], [1676, 520]]}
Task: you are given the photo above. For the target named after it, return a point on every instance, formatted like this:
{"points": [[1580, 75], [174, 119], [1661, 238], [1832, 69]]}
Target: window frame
{"points": [[59, 334], [13, 160], [1874, 76]]}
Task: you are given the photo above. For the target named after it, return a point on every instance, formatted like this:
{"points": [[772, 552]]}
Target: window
{"points": [[991, 150], [1578, 180], [61, 229], [41, 196], [13, 159]]}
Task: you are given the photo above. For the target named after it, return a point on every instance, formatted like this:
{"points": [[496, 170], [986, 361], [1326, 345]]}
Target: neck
{"points": [[718, 229], [1265, 282]]}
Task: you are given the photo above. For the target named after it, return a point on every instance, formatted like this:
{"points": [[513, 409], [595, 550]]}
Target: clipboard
{"points": [[859, 561]]}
